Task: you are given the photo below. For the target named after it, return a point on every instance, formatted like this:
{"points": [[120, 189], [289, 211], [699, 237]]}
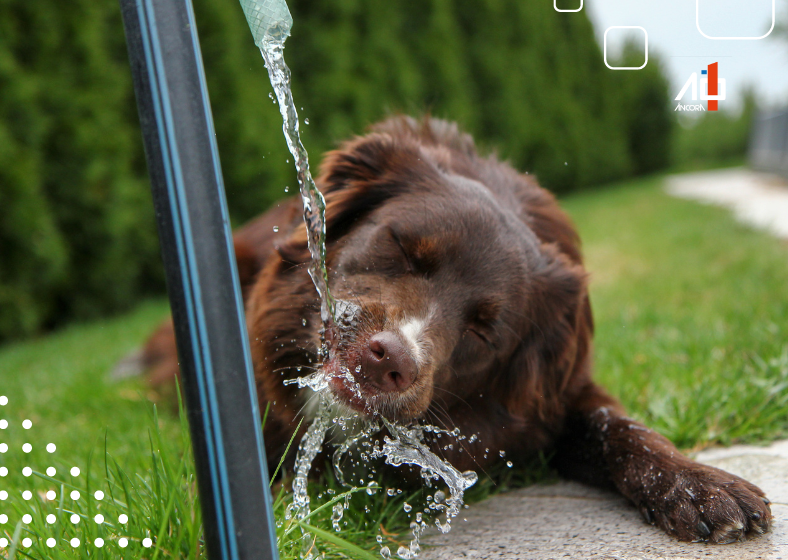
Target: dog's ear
{"points": [[556, 346], [357, 178], [248, 264]]}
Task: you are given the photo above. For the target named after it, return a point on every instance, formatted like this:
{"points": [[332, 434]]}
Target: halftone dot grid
{"points": [[645, 48], [744, 3], [51, 496]]}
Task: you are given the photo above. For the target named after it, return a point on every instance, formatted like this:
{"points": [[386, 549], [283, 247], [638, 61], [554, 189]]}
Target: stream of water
{"points": [[402, 444]]}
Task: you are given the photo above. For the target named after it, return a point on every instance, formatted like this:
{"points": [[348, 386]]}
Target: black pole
{"points": [[202, 279]]}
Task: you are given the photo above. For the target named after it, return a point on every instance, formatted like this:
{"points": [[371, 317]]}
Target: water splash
{"points": [[406, 446]]}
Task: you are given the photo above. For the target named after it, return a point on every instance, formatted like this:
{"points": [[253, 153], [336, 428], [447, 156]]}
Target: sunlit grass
{"points": [[691, 310]]}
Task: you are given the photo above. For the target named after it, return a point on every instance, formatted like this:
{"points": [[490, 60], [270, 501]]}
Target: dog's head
{"points": [[450, 291]]}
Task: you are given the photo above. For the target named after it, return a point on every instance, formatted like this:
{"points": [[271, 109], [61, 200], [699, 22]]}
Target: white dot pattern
{"points": [[51, 495]]}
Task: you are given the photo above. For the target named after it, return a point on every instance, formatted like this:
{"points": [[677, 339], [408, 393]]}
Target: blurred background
{"points": [[77, 233]]}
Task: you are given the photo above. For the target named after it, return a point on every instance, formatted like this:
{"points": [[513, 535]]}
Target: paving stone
{"points": [[569, 520], [757, 199]]}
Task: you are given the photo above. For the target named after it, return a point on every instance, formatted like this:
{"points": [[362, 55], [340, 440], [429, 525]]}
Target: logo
{"points": [[712, 90]]}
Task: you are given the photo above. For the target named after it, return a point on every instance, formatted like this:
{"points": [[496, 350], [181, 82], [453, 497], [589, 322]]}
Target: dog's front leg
{"points": [[693, 502]]}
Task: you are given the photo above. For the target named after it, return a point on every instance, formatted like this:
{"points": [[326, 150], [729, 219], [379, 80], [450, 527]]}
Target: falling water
{"points": [[270, 22], [311, 197]]}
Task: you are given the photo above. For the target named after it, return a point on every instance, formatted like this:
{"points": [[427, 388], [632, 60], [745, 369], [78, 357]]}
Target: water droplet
{"points": [[407, 507], [306, 121], [287, 189], [502, 453], [566, 163], [509, 464], [276, 229]]}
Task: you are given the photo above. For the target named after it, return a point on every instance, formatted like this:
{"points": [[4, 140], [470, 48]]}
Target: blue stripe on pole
{"points": [[183, 235], [232, 264]]}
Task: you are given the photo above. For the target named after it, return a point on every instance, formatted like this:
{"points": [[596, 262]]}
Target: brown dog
{"points": [[474, 313]]}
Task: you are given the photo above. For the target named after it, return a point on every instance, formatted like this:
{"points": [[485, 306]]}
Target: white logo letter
{"points": [[693, 80]]}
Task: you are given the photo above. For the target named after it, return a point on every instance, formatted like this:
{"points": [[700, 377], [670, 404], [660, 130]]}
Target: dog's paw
{"points": [[701, 503]]}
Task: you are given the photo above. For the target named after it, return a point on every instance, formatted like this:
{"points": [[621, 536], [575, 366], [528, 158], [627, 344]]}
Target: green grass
{"points": [[691, 314]]}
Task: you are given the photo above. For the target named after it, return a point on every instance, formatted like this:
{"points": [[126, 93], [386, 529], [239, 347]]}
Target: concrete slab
{"points": [[757, 199], [568, 520]]}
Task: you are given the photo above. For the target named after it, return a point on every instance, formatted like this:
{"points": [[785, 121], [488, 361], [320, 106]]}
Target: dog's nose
{"points": [[387, 364]]}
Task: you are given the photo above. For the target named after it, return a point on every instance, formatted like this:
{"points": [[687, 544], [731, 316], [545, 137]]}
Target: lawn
{"points": [[691, 316]]}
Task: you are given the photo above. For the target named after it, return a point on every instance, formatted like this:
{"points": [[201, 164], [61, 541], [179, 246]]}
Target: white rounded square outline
{"points": [[604, 47], [555, 7], [697, 24]]}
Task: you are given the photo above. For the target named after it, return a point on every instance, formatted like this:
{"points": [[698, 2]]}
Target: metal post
{"points": [[202, 279]]}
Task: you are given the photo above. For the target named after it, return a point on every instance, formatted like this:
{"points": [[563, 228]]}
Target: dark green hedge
{"points": [[77, 237]]}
